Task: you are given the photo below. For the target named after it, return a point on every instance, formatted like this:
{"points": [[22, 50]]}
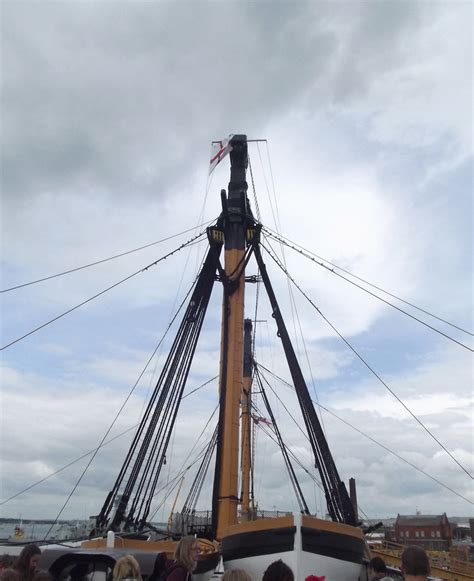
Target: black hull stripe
{"points": [[270, 541], [331, 544], [255, 543], [209, 563]]}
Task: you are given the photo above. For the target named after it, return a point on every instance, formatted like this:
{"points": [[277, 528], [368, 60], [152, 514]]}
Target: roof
{"points": [[421, 519]]}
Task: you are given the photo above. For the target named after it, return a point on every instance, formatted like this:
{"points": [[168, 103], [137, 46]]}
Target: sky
{"points": [[107, 115]]}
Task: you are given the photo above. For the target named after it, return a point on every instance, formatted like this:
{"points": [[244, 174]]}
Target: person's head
{"points": [[127, 568], [415, 562], [159, 566], [6, 562], [28, 559], [377, 565], [78, 572], [236, 575], [186, 553], [278, 571]]}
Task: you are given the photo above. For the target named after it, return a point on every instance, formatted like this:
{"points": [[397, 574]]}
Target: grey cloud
{"points": [[103, 104], [115, 96]]}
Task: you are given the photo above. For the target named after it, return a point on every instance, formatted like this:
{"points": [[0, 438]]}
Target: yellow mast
{"points": [[235, 217], [245, 512]]}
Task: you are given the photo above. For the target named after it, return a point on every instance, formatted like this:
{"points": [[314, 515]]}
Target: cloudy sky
{"points": [[107, 114]]}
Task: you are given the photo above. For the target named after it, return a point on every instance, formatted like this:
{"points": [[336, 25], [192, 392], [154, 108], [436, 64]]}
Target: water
{"points": [[34, 531]]}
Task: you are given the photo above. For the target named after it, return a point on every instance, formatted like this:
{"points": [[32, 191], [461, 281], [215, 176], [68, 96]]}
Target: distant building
{"points": [[429, 531]]}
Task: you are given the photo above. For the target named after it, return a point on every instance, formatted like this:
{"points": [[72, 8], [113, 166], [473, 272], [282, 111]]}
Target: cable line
{"points": [[267, 433], [304, 252], [119, 412], [38, 482], [369, 437], [104, 259], [259, 217], [365, 362], [102, 292]]}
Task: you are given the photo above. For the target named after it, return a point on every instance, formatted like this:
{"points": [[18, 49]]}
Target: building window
{"points": [[407, 534], [417, 534], [422, 533], [432, 533], [438, 534]]}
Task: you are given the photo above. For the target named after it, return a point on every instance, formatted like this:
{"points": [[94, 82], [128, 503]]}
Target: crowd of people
{"points": [[415, 566], [25, 567]]}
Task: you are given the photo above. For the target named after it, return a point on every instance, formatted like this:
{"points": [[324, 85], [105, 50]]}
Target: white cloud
{"points": [[367, 109]]}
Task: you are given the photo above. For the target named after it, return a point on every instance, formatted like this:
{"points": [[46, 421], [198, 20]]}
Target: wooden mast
{"points": [[245, 511], [235, 220]]}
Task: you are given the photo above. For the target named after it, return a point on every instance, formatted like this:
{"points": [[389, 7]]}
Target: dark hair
{"points": [[377, 565], [6, 561], [158, 567], [415, 561], [22, 564], [278, 571]]}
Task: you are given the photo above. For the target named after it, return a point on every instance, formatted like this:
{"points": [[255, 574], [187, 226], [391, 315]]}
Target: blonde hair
{"points": [[236, 575], [182, 554], [127, 568]]}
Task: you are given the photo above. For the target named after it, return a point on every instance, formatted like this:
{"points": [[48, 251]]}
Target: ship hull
{"points": [[309, 546]]}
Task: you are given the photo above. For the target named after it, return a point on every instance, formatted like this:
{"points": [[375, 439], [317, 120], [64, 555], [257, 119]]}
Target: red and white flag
{"points": [[219, 149], [261, 420]]}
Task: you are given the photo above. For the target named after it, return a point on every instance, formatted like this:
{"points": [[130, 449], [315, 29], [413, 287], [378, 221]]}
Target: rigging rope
{"points": [[184, 245], [266, 431], [122, 407], [275, 259], [69, 464], [18, 286], [339, 505], [306, 254], [291, 472], [148, 449], [195, 490], [294, 311], [370, 438], [259, 217]]}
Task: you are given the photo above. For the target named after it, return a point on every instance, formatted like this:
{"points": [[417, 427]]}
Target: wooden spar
{"points": [[245, 422], [235, 220]]}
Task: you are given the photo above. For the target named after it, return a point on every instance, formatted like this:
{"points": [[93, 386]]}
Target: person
{"points": [[9, 575], [278, 571], [236, 575], [415, 564], [79, 572], [185, 560], [159, 568], [6, 562], [126, 568], [27, 562], [378, 570]]}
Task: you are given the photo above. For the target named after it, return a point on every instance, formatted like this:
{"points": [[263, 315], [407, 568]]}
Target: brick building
{"points": [[428, 531]]}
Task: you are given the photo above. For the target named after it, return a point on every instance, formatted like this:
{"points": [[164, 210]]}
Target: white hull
{"points": [[302, 564], [309, 546]]}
